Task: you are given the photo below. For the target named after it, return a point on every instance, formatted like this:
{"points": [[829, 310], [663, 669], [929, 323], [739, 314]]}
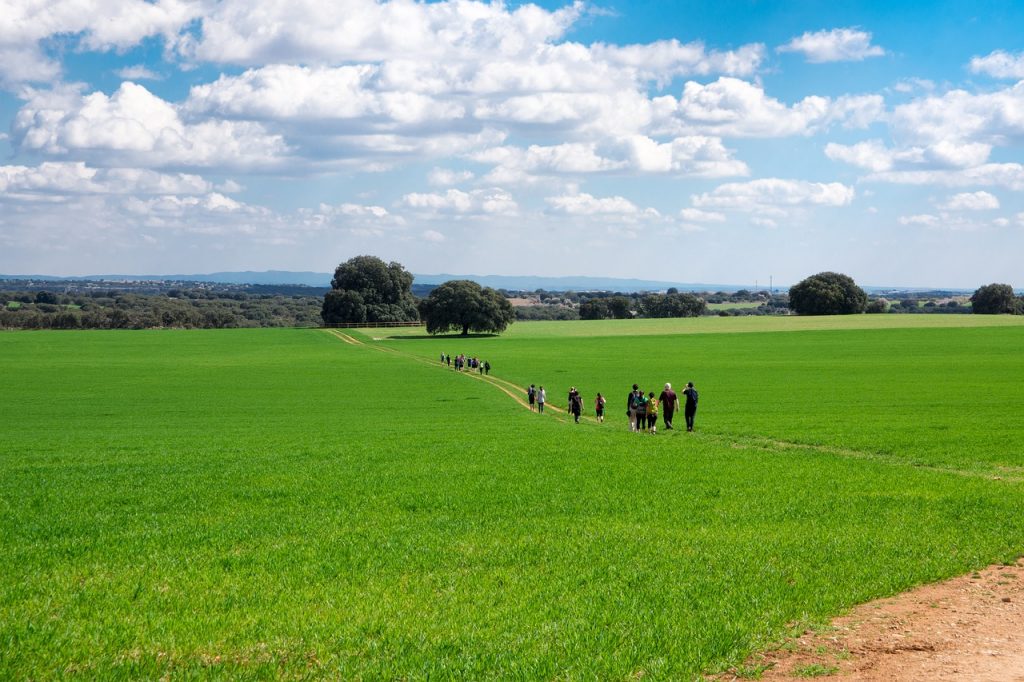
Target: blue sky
{"points": [[687, 141]]}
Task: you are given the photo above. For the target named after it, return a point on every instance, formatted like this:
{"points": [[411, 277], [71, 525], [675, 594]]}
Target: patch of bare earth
{"points": [[967, 628]]}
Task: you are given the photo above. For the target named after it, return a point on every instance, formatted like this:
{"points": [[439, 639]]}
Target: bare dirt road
{"points": [[967, 628]]}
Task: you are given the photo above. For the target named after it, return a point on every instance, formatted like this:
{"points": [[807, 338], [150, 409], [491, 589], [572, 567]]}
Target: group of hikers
{"points": [[641, 409], [462, 362]]}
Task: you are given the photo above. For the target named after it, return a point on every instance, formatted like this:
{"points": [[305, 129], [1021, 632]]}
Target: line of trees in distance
{"points": [[833, 293], [178, 308], [365, 289]]}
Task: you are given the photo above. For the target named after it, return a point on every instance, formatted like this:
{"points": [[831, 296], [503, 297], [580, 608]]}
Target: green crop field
{"points": [[289, 504]]}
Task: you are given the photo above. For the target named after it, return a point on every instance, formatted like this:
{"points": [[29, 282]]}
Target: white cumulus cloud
{"points": [[491, 201], [97, 24], [586, 204], [837, 45], [737, 108], [971, 201], [999, 64], [77, 178], [138, 128], [774, 192]]}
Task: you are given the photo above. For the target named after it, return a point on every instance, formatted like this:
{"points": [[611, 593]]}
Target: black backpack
{"points": [[693, 395]]}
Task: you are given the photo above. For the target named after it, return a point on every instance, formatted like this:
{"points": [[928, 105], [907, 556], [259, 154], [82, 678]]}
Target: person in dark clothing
{"points": [[690, 411], [631, 401], [669, 401], [531, 394], [575, 404], [487, 367], [640, 405]]}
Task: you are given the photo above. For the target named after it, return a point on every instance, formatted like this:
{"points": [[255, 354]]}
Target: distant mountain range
{"points": [[322, 280]]}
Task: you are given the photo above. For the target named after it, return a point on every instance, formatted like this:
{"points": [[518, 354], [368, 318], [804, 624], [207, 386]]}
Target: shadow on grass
{"points": [[443, 337]]}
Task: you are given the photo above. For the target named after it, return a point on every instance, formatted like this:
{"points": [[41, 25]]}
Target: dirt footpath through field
{"points": [[967, 628]]}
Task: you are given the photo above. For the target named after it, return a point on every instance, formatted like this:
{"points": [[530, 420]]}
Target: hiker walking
{"points": [[640, 405], [487, 367], [575, 404], [531, 395], [448, 360], [542, 397], [631, 406], [599, 407], [652, 413], [669, 404], [690, 411]]}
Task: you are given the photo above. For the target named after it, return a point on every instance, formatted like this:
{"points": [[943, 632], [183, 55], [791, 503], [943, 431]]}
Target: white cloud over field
{"points": [[836, 45]]}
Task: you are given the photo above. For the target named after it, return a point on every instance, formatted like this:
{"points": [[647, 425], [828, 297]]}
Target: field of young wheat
{"points": [[299, 504]]}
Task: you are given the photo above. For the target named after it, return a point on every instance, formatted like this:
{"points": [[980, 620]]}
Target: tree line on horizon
{"points": [[365, 289]]}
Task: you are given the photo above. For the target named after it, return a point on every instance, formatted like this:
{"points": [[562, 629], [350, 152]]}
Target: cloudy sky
{"points": [[723, 142]]}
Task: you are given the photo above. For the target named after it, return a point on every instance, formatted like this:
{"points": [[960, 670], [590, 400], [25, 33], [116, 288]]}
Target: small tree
{"points": [[877, 305], [620, 307], [465, 305], [827, 293], [994, 299], [594, 309]]}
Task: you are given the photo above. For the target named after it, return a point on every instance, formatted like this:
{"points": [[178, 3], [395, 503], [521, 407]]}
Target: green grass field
{"points": [[279, 503]]}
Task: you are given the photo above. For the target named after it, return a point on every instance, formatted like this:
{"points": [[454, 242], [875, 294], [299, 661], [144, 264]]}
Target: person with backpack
{"points": [[599, 407], [690, 410], [631, 406], [652, 413], [669, 405], [640, 405], [487, 367], [531, 395], [575, 404]]}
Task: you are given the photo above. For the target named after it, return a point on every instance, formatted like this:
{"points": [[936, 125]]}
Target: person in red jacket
{"points": [[669, 404]]}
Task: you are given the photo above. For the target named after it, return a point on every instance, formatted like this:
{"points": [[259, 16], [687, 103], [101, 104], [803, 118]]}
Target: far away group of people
{"points": [[464, 363], [641, 409]]}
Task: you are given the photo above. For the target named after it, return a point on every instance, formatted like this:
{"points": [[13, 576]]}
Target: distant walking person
{"points": [[487, 367], [442, 358], [599, 407], [641, 412], [652, 413], [542, 397], [531, 395], [448, 360], [690, 410], [575, 404], [631, 401], [669, 404]]}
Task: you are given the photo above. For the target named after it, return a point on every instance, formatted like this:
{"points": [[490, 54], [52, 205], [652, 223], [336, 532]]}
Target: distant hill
{"points": [[425, 282]]}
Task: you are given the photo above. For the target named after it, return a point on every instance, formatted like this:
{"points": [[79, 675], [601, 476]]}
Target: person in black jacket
{"points": [[690, 410], [631, 401]]}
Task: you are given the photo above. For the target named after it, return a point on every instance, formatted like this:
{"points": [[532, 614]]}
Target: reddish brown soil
{"points": [[967, 628]]}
